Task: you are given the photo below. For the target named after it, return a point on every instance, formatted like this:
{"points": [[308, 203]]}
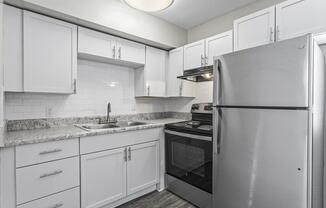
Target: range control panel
{"points": [[202, 108]]}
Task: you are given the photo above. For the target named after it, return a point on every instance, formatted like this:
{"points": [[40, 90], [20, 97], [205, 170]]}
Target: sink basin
{"points": [[111, 125], [99, 126], [130, 123]]}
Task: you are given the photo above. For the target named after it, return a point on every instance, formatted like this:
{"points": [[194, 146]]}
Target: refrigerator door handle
{"points": [[217, 131], [217, 81]]}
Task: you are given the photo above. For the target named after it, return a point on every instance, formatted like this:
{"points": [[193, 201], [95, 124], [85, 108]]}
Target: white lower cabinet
{"points": [[66, 199], [103, 178], [112, 175], [142, 167]]}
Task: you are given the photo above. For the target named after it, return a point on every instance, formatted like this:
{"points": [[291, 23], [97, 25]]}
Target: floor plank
{"points": [[164, 199]]}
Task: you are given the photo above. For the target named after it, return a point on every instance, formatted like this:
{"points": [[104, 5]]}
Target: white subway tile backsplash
{"points": [[98, 83]]}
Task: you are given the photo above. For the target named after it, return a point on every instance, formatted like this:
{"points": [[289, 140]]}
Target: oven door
{"points": [[189, 158]]}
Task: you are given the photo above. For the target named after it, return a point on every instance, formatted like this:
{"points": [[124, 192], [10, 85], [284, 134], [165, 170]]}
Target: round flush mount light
{"points": [[150, 5]]}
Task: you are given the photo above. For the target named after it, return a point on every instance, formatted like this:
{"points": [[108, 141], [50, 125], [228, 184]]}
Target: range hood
{"points": [[202, 74]]}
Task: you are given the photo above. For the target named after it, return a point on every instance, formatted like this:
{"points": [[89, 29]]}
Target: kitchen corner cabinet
{"points": [[50, 55], [299, 17], [102, 47], [112, 175], [150, 80], [178, 87], [255, 29]]}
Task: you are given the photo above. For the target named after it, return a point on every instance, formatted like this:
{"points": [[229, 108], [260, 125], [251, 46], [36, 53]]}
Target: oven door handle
{"points": [[192, 136]]}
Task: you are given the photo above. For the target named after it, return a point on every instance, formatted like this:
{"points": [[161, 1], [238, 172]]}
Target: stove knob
{"points": [[195, 107]]}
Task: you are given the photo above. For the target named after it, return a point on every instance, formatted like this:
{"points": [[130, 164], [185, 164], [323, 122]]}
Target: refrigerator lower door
{"points": [[274, 75], [262, 159]]}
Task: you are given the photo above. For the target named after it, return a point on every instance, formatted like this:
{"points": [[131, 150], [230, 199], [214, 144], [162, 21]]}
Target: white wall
{"points": [[98, 83], [225, 23], [204, 91], [112, 16]]}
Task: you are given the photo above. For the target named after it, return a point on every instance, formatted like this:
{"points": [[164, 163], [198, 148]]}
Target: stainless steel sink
{"points": [[111, 125], [98, 126]]}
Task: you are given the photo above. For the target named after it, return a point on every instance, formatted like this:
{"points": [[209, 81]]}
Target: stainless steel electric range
{"points": [[188, 152]]}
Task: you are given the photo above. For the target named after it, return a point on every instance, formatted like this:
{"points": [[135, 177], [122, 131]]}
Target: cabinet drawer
{"points": [[66, 199], [37, 181], [112, 141], [43, 152]]}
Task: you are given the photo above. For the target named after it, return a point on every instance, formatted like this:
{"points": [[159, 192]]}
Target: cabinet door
{"points": [[255, 29], [175, 68], [13, 48], [130, 51], [142, 167], [50, 54], [156, 61], [96, 44], [194, 54], [218, 45], [299, 17], [103, 178]]}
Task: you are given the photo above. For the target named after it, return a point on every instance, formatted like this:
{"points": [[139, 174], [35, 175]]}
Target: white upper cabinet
{"points": [[50, 55], [94, 43], [194, 55], [130, 51], [103, 178], [255, 29], [142, 167], [299, 17], [106, 48], [218, 45], [150, 80], [177, 87], [13, 48]]}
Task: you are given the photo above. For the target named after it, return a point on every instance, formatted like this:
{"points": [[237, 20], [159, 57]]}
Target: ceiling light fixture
{"points": [[150, 5]]}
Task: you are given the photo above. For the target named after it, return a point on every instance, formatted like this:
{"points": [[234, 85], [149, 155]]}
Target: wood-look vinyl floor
{"points": [[164, 199]]}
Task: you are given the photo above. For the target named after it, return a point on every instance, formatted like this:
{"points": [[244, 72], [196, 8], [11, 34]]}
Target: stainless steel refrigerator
{"points": [[268, 126]]}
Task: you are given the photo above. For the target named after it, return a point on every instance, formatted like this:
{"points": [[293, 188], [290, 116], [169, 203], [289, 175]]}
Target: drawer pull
{"points": [[57, 205], [51, 174], [50, 151]]}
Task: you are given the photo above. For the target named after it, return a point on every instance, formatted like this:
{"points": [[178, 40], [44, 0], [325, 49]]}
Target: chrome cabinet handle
{"points": [[202, 60], [50, 152], [119, 53], [51, 174], [148, 90], [57, 205], [125, 154], [271, 38], [180, 89], [113, 52], [75, 86], [206, 60], [129, 150], [277, 33]]}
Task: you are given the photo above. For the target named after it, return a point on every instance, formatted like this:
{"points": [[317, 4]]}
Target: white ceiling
{"points": [[189, 13]]}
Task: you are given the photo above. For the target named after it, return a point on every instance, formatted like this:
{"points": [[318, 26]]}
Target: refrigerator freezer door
{"points": [[262, 162], [272, 75]]}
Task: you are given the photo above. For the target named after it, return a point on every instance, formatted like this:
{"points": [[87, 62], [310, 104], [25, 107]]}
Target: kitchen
{"points": [[129, 103]]}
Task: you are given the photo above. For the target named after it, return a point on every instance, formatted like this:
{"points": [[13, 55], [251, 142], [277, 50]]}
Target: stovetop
{"points": [[201, 122]]}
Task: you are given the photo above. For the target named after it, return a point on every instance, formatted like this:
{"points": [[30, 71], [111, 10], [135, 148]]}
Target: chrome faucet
{"points": [[108, 120]]}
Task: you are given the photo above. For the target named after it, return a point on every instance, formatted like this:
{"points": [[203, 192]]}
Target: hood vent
{"points": [[202, 74]]}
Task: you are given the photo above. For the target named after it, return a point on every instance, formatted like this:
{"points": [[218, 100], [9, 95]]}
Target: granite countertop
{"points": [[15, 138]]}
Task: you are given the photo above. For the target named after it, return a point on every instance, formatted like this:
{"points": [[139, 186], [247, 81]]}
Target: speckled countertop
{"points": [[15, 138]]}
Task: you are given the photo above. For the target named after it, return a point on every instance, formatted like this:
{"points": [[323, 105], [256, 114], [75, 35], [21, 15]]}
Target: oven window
{"points": [[190, 160]]}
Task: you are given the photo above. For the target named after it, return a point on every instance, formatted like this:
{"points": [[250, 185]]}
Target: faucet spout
{"points": [[108, 112]]}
